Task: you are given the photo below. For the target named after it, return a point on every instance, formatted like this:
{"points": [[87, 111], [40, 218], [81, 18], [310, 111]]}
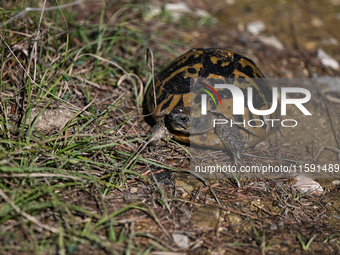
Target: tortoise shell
{"points": [[179, 83]]}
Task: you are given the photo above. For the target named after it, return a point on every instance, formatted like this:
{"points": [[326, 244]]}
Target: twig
{"points": [[153, 82], [325, 148], [41, 175]]}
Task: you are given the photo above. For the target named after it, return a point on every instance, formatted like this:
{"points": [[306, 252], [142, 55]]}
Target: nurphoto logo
{"points": [[238, 104]]}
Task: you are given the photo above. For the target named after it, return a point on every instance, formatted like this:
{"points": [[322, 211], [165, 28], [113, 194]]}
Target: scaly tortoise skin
{"points": [[176, 107]]}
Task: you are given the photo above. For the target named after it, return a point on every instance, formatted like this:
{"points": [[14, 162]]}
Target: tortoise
{"points": [[175, 103]]}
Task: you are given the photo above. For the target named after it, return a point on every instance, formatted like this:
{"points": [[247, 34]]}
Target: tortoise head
{"points": [[179, 120], [189, 120]]}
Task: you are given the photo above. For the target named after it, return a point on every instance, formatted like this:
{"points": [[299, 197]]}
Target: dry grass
{"points": [[87, 183]]}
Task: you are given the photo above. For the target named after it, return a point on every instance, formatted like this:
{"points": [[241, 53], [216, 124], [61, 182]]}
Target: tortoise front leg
{"points": [[232, 139], [159, 132]]}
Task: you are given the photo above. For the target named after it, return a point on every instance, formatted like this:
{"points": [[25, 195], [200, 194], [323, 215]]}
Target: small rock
{"points": [[316, 22], [306, 184], [311, 45], [330, 41], [271, 41], [206, 216], [175, 10], [182, 241], [240, 27], [273, 226], [179, 7], [185, 183], [327, 60], [134, 190], [50, 119], [202, 13], [150, 11], [336, 182], [256, 27]]}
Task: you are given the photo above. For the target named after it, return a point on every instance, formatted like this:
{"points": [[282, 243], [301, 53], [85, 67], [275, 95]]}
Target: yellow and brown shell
{"points": [[174, 87]]}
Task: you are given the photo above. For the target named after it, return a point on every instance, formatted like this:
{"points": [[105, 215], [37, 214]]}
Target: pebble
{"points": [[271, 41], [316, 22], [336, 182], [327, 60], [179, 8], [206, 216], [305, 184], [182, 241], [175, 10], [150, 11], [330, 41], [255, 27], [273, 226], [134, 190]]}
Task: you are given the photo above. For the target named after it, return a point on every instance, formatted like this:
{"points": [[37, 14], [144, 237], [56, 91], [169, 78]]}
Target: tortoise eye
{"points": [[184, 118]]}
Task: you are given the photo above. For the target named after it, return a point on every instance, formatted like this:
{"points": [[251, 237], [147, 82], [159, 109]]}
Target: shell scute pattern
{"points": [[212, 66]]}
